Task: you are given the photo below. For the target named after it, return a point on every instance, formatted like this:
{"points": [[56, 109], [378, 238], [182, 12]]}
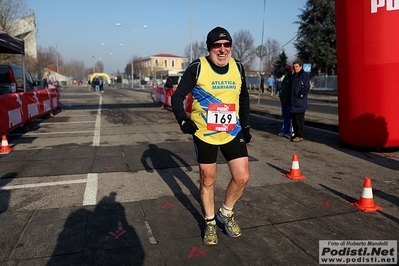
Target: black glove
{"points": [[188, 126], [246, 134]]}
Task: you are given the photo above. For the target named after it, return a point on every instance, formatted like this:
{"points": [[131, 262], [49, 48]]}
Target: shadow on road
{"points": [[5, 193], [161, 157], [95, 237]]}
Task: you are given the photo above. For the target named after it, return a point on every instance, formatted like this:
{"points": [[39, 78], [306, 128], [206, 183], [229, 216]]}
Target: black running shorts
{"points": [[207, 153]]}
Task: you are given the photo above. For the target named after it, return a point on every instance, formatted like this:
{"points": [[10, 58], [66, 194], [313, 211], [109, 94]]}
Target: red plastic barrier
{"points": [[368, 60], [164, 95], [17, 108]]}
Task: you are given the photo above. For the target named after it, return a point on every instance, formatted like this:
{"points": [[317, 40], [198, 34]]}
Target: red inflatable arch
{"points": [[368, 72]]}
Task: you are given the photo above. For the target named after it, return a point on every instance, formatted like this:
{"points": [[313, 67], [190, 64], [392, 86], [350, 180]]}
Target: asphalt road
{"points": [[119, 147]]}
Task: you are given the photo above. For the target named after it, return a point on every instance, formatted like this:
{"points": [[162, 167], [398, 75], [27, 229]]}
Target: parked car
{"points": [[11, 80]]}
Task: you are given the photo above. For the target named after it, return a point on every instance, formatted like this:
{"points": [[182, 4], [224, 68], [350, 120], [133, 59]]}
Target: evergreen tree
{"points": [[316, 41], [279, 65]]}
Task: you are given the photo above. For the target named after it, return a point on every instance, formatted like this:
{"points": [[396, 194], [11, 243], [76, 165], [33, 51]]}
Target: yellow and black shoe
{"points": [[230, 225], [210, 233]]}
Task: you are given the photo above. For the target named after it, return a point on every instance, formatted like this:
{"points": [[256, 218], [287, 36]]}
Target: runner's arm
{"points": [[185, 86], [244, 102]]}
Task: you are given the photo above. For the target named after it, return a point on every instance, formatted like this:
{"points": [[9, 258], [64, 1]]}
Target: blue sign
{"points": [[307, 67]]}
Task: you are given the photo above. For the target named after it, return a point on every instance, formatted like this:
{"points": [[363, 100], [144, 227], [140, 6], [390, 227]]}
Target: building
{"points": [[156, 67], [25, 29]]}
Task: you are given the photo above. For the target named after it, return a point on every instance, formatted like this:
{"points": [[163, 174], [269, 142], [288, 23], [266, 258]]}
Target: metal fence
{"points": [[327, 83], [317, 83]]}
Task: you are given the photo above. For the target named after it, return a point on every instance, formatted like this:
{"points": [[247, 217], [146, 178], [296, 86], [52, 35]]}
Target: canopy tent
{"points": [[12, 45]]}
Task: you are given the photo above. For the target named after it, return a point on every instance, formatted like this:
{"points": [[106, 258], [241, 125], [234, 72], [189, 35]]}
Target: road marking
{"points": [[96, 139], [117, 234], [151, 236], [46, 184], [77, 115], [76, 122], [90, 197], [49, 133]]}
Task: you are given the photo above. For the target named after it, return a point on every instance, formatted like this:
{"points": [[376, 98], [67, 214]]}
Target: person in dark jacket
{"points": [[169, 82], [262, 83], [285, 100], [300, 87], [168, 85], [95, 84]]}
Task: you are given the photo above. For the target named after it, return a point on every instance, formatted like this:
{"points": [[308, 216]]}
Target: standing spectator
{"points": [[45, 83], [219, 92], [299, 100], [168, 82], [262, 83], [101, 85], [142, 84], [270, 83], [95, 84], [168, 85], [278, 85], [285, 100], [92, 85]]}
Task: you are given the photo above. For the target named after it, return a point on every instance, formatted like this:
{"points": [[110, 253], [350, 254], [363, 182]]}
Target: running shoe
{"points": [[230, 225], [210, 233]]}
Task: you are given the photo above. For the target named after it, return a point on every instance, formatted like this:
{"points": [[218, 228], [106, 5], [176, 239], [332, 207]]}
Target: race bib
{"points": [[221, 117]]}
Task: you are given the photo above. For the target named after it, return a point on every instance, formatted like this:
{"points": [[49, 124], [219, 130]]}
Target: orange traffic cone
{"points": [[5, 149], [366, 201], [294, 173]]}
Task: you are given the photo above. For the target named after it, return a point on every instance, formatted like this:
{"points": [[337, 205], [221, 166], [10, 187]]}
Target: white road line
{"points": [[76, 115], [46, 184], [151, 236], [49, 133], [76, 122], [96, 139], [90, 197]]}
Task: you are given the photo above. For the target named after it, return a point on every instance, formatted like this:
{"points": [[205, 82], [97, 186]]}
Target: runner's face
{"points": [[220, 56]]}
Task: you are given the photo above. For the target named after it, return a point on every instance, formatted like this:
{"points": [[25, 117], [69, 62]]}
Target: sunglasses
{"points": [[219, 45]]}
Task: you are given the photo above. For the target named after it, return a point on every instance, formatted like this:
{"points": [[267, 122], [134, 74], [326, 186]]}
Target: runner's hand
{"points": [[188, 126], [246, 134]]}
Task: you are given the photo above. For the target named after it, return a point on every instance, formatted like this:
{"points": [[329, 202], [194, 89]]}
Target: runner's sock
{"points": [[226, 210], [208, 218]]}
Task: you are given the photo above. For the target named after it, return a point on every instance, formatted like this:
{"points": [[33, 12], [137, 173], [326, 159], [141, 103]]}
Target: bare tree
{"points": [[273, 50], [11, 10], [199, 49], [243, 48], [48, 57], [99, 66], [73, 68]]}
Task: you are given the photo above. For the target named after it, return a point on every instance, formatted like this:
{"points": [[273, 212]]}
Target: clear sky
{"points": [[86, 29]]}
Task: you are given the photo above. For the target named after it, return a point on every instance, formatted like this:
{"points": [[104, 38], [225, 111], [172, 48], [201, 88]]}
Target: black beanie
{"points": [[217, 34]]}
